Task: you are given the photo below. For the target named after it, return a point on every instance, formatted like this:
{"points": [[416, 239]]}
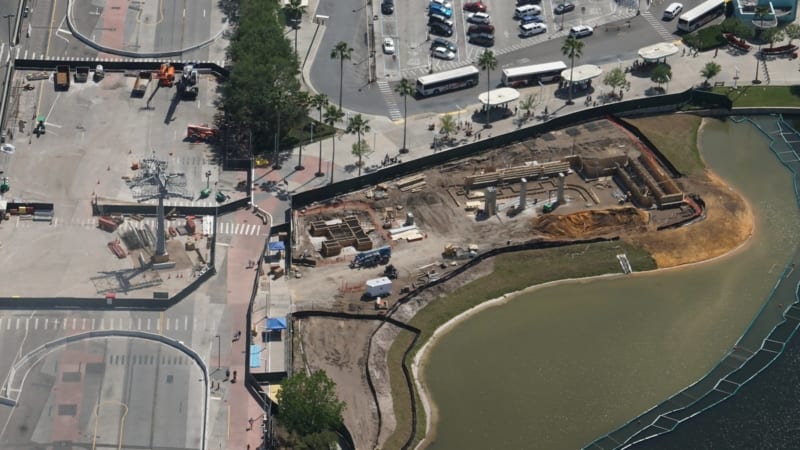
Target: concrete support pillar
{"points": [[490, 201], [560, 198], [523, 193]]}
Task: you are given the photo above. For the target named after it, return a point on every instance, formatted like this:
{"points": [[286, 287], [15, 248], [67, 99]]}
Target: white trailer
{"points": [[379, 287]]}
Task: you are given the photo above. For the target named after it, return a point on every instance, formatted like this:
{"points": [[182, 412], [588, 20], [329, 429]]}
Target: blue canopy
{"points": [[277, 245], [278, 323]]}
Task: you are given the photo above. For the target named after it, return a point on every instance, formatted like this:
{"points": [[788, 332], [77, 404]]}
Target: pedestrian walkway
{"points": [[657, 25], [44, 323]]}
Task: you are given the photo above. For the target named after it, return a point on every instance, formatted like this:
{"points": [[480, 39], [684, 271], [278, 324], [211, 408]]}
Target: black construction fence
{"points": [[647, 105]]}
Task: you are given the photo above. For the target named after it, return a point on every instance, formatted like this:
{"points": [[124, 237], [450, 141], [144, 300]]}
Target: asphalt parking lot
{"points": [[407, 26]]}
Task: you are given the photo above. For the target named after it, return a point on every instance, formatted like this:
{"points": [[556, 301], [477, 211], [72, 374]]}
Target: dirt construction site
{"points": [[585, 181]]}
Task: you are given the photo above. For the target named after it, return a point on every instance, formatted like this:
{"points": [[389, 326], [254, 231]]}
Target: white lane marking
{"points": [[17, 325], [46, 322], [148, 324], [139, 323], [93, 321], [36, 324]]}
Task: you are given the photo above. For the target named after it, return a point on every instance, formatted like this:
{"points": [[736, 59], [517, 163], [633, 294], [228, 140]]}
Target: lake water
{"points": [[562, 366]]}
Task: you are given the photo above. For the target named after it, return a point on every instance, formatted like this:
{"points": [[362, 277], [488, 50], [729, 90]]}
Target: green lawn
{"points": [[753, 96], [675, 136]]}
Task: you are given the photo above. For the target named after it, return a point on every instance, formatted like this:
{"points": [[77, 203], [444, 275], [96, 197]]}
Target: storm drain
{"points": [[69, 409]]}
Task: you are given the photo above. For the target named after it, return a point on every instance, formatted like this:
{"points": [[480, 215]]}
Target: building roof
{"points": [[581, 73], [499, 96]]}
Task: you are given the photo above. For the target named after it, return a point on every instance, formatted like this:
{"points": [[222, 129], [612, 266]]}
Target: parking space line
{"points": [[185, 322], [148, 324], [36, 324], [83, 324], [74, 321], [27, 323], [138, 323], [17, 325]]}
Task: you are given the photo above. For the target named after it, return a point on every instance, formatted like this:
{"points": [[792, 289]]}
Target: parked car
{"points": [[672, 11], [564, 8], [440, 42], [440, 29], [436, 8], [531, 19], [485, 40], [483, 28], [443, 53], [532, 29], [433, 18], [579, 31], [475, 7], [444, 3], [527, 10], [528, 2], [478, 17], [387, 6], [388, 46]]}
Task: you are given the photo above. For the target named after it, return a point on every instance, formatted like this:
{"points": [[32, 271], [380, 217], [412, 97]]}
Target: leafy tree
{"points": [[319, 102], [447, 126], [792, 32], [263, 65], [309, 407], [333, 115], [710, 70], [615, 79], [737, 27], [404, 88], [661, 74], [572, 49], [488, 62], [294, 13], [358, 125], [772, 36], [360, 149], [527, 104], [341, 52]]}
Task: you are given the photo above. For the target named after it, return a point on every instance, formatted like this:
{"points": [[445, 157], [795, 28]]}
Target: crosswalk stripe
{"points": [[657, 25]]}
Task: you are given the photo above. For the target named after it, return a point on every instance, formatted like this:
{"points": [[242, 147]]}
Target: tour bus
{"points": [[530, 75], [441, 82], [701, 15]]}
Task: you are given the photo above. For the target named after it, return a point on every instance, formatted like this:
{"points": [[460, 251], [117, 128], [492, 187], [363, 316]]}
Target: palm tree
{"points": [[319, 102], [341, 52], [572, 49], [527, 104], [488, 62], [358, 126], [447, 126], [333, 115], [303, 100], [294, 12], [404, 88], [280, 102], [710, 70]]}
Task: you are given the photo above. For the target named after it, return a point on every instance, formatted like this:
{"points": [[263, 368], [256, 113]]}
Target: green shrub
{"points": [[706, 38]]}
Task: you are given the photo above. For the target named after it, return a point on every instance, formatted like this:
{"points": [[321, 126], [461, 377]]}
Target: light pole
{"points": [[219, 351], [208, 179], [299, 165], [8, 18], [758, 60], [320, 173]]}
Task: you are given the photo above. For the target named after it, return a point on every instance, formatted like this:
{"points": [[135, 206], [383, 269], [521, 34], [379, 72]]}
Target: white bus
{"points": [[528, 75], [441, 82], [701, 15]]}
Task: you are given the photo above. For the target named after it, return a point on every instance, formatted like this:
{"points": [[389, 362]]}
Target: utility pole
{"points": [[299, 165], [219, 351], [758, 61], [8, 18], [320, 173]]}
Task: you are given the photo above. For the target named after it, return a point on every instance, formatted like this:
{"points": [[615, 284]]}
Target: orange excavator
{"points": [[166, 75]]}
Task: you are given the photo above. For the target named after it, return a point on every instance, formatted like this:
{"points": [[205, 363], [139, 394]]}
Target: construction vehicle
{"points": [[62, 78], [4, 186], [390, 272], [99, 73], [220, 197], [166, 75], [549, 207], [205, 193], [140, 86], [372, 258], [261, 162], [40, 128], [187, 86], [81, 74], [200, 133]]}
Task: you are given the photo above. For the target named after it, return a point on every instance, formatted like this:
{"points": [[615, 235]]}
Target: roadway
{"points": [[619, 40]]}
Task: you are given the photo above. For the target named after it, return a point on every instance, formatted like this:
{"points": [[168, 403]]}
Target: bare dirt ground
{"points": [[339, 346]]}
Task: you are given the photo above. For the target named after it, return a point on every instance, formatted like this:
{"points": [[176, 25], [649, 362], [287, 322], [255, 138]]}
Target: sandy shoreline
{"points": [[745, 221]]}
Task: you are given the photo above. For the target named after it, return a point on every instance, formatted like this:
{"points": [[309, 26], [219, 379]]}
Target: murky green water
{"points": [[559, 367]]}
